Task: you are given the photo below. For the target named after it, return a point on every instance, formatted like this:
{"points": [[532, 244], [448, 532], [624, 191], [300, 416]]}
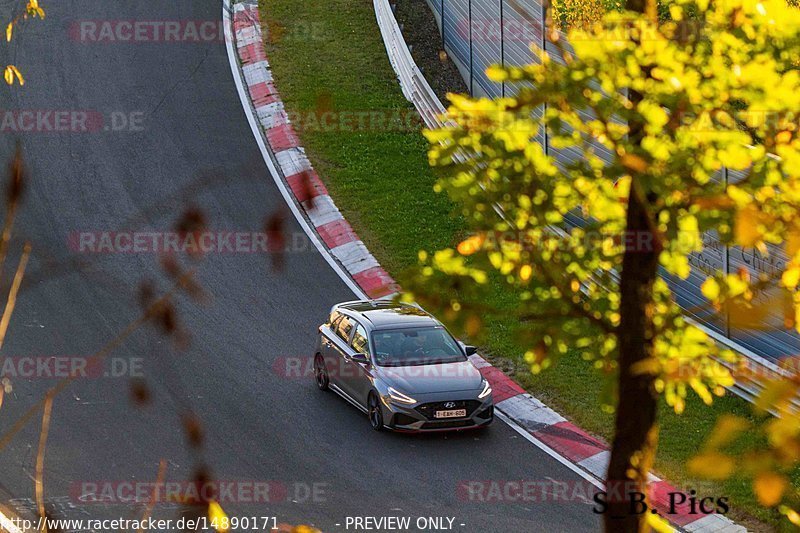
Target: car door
{"points": [[338, 360], [326, 332], [360, 374]]}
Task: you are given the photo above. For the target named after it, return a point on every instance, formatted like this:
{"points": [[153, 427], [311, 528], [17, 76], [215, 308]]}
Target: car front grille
{"points": [[428, 409], [445, 424]]}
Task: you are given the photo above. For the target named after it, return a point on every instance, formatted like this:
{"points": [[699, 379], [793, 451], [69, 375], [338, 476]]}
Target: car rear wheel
{"points": [[374, 412], [321, 373]]}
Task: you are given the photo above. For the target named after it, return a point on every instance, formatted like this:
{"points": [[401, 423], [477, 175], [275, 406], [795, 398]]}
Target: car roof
{"points": [[382, 314]]}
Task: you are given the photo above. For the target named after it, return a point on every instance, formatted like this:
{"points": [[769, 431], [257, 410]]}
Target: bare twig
{"points": [[162, 470], [11, 302], [48, 409]]}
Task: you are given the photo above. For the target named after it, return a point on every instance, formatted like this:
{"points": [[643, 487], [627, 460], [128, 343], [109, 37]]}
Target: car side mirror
{"points": [[470, 350], [360, 358]]}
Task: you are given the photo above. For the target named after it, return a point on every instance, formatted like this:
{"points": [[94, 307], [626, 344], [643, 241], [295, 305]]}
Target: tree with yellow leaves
{"points": [[579, 13], [644, 114], [11, 73]]}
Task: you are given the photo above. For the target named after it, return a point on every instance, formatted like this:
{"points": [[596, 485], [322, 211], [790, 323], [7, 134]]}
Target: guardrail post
{"points": [[444, 44], [726, 264], [543, 50], [502, 47], [471, 73]]}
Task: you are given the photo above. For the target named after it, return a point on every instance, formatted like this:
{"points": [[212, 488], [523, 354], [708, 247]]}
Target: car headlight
{"points": [[487, 390], [398, 396]]}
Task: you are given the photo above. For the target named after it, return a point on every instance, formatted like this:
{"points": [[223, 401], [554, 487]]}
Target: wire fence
{"points": [[479, 33]]}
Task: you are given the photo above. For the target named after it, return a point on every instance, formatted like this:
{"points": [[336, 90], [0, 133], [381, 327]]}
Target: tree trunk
{"points": [[635, 430]]}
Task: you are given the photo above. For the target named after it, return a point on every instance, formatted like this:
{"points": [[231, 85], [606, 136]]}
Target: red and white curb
{"points": [[548, 430], [296, 170]]}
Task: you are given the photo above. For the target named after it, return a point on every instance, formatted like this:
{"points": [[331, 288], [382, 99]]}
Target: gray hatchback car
{"points": [[402, 367]]}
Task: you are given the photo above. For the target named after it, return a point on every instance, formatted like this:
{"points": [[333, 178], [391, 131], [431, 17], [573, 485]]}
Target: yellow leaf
{"points": [[711, 465], [789, 313], [710, 289], [18, 74], [791, 277], [746, 230], [496, 74], [34, 9], [740, 197], [9, 75], [9, 31], [472, 325], [791, 515], [714, 202], [795, 320], [793, 243], [769, 488], [470, 245], [747, 316], [634, 162], [525, 272], [217, 516], [774, 392], [658, 524], [728, 427]]}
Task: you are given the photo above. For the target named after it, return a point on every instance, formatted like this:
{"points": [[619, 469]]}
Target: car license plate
{"points": [[453, 413]]}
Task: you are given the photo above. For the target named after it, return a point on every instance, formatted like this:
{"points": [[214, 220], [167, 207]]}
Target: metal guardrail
{"points": [[417, 90], [414, 85]]}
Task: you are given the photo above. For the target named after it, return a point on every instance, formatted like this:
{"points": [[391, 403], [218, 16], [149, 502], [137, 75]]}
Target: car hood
{"points": [[422, 379]]}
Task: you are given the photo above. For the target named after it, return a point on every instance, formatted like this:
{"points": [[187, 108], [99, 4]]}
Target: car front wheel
{"points": [[374, 411], [321, 373]]}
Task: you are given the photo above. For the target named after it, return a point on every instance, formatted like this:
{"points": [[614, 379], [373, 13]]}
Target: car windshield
{"points": [[415, 346]]}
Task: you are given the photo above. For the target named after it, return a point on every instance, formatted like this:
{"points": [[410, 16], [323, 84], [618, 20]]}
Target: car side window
{"points": [[343, 328], [336, 315], [360, 343]]}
